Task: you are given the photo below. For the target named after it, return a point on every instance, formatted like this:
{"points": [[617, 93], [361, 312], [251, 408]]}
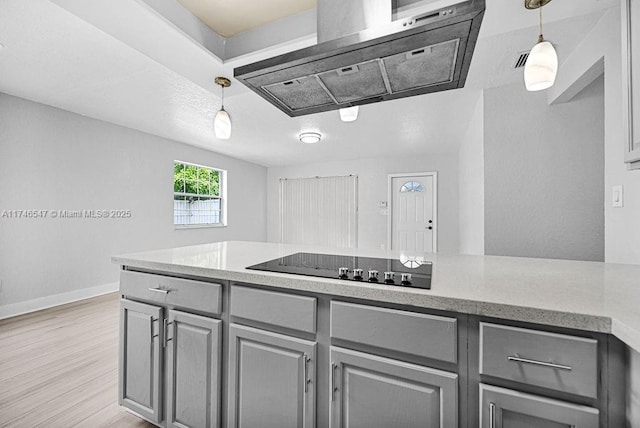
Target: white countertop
{"points": [[592, 296]]}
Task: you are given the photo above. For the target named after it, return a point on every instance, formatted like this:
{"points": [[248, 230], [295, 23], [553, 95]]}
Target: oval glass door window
{"points": [[412, 186]]}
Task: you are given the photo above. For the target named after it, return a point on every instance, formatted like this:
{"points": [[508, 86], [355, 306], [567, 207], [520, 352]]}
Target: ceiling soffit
{"points": [[228, 18]]}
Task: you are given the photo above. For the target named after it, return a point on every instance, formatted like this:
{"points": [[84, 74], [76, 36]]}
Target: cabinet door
{"points": [[193, 371], [271, 379], [140, 368], [505, 408], [376, 392]]}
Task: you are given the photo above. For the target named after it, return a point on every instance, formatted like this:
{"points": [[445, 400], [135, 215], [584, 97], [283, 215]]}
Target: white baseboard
{"points": [[20, 308]]}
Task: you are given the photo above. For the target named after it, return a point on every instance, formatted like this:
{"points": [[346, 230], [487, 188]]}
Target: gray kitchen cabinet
{"points": [[271, 379], [506, 408], [306, 359], [193, 370], [527, 359], [375, 392], [141, 359], [170, 359]]}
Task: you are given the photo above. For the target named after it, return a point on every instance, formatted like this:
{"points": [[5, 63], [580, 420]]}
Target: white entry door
{"points": [[413, 220]]}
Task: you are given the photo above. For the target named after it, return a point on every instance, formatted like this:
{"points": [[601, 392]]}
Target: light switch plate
{"points": [[617, 197]]}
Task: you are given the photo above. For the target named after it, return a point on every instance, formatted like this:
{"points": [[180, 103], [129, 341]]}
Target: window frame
{"points": [[222, 196]]}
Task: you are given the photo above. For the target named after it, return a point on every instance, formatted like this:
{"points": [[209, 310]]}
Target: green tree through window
{"points": [[194, 180]]}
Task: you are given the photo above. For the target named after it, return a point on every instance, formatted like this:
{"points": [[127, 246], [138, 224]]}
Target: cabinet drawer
{"points": [[427, 336], [555, 361], [178, 292], [277, 309]]}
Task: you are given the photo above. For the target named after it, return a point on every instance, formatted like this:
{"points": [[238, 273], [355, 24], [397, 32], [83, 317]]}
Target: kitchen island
{"points": [[495, 341]]}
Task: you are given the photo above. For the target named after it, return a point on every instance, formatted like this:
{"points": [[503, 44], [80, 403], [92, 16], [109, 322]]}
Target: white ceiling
{"points": [[229, 18], [126, 62]]}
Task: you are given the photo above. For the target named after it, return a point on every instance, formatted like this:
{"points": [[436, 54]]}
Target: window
{"points": [[412, 186], [198, 195]]}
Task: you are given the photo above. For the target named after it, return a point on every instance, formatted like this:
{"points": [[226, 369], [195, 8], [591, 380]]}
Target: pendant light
{"points": [[542, 64], [222, 121], [349, 114]]}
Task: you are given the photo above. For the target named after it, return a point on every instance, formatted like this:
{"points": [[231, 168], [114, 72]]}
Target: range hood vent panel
{"points": [[299, 94], [362, 81], [434, 54], [422, 67]]}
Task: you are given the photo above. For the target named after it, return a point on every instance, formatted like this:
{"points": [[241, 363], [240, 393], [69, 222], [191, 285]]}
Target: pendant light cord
{"points": [[540, 38], [222, 97]]}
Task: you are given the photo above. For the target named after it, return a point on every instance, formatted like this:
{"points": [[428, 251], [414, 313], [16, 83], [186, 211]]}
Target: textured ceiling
{"points": [[154, 78], [230, 17]]}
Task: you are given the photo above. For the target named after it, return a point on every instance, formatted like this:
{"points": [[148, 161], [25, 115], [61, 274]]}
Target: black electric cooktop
{"points": [[406, 272]]}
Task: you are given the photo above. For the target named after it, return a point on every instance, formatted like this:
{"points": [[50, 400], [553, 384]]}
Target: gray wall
{"points": [[544, 174], [53, 159], [372, 189], [471, 184]]}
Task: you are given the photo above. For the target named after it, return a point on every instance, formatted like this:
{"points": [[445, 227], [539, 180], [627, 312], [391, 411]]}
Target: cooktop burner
{"points": [[405, 272]]}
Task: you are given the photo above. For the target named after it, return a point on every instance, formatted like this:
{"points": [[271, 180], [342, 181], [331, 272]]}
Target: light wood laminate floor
{"points": [[59, 367]]}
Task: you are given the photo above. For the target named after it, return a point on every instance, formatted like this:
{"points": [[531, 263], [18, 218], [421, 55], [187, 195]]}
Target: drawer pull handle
{"points": [[167, 327], [539, 363], [334, 388], [492, 415], [307, 380], [159, 290]]}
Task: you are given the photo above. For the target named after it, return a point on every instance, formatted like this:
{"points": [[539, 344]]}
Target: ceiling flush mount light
{"points": [[349, 114], [542, 65], [222, 122], [310, 137]]}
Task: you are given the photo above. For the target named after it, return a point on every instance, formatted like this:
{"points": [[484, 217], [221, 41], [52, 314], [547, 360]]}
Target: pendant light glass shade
{"points": [[222, 125], [542, 63], [349, 114], [222, 121], [541, 67]]}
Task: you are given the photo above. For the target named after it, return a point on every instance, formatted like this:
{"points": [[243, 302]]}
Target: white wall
{"points": [[52, 159], [622, 228], [544, 174], [622, 225], [372, 189], [471, 184]]}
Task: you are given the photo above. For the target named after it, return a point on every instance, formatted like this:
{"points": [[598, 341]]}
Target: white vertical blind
{"points": [[319, 211]]}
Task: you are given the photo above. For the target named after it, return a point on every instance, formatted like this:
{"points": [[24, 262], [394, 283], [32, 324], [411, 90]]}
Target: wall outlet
{"points": [[617, 197]]}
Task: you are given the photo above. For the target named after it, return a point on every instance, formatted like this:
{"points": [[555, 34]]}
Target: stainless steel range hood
{"points": [[426, 53]]}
